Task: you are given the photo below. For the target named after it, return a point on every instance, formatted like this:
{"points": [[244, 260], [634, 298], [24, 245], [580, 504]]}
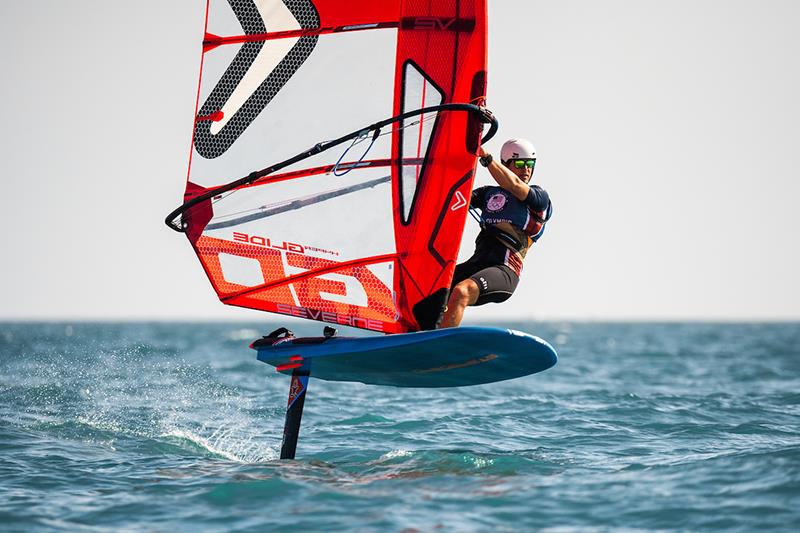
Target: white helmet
{"points": [[517, 149]]}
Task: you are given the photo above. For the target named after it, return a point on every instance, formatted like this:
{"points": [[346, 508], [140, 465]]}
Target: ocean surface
{"points": [[177, 427]]}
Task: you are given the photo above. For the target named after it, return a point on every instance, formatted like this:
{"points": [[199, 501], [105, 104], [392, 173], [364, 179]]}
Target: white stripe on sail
{"points": [[275, 15]]}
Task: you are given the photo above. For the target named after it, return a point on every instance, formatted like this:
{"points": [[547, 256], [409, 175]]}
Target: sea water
{"points": [[177, 427]]}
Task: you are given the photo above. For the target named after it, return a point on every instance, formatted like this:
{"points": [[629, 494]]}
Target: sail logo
{"points": [[459, 203], [438, 24], [331, 317], [257, 240], [433, 23], [254, 268]]}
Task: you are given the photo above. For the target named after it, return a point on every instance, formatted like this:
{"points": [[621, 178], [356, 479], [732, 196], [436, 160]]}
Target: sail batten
{"points": [[212, 41]]}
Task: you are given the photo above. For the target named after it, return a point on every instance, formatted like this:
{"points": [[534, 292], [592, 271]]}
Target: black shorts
{"points": [[496, 282]]}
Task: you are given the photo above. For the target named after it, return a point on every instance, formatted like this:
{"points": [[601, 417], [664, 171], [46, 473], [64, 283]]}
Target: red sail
{"points": [[363, 234]]}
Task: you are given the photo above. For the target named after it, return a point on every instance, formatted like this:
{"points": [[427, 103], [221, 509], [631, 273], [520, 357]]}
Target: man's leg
{"points": [[497, 283], [463, 294]]}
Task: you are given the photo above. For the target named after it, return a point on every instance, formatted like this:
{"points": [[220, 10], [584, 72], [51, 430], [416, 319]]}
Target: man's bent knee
{"points": [[465, 293]]}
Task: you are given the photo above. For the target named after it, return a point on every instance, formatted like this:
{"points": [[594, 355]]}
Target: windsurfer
{"points": [[513, 217]]}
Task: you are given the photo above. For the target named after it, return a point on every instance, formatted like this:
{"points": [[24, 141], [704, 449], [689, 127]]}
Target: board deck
{"points": [[453, 357]]}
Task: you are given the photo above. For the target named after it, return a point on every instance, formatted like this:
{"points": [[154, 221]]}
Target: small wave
{"points": [[361, 420], [394, 454], [225, 444]]}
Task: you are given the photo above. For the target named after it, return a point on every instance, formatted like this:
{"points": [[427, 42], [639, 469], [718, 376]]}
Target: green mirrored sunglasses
{"points": [[522, 163]]}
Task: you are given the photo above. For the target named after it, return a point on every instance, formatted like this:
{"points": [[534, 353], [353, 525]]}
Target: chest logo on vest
{"points": [[496, 202]]}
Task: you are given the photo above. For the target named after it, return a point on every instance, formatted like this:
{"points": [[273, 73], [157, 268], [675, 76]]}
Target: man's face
{"points": [[523, 173]]}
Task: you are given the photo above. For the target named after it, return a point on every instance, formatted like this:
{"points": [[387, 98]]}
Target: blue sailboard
{"points": [[454, 357]]}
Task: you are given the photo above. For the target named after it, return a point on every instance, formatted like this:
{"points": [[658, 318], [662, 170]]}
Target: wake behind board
{"points": [[453, 357]]}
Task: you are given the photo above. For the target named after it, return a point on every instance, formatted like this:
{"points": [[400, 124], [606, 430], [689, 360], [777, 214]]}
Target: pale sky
{"points": [[667, 133]]}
